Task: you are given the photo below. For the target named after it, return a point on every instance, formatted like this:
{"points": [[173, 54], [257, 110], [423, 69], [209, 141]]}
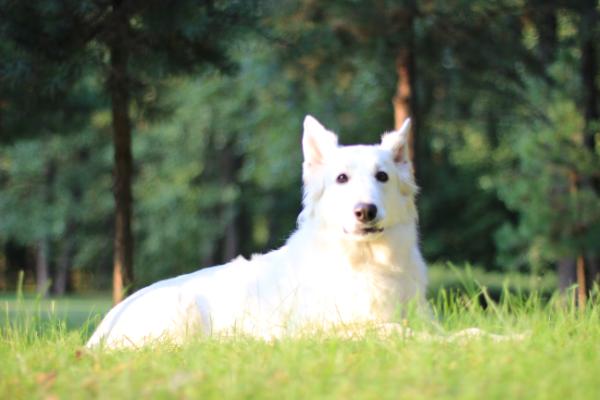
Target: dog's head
{"points": [[357, 191]]}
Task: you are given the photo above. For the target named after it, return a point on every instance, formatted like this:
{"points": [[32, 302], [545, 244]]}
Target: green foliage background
{"points": [[501, 127]]}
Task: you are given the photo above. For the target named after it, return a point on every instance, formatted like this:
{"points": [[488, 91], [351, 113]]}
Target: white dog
{"points": [[354, 258]]}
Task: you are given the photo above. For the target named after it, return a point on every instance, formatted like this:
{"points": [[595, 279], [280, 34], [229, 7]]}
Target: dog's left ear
{"points": [[316, 141], [397, 142]]}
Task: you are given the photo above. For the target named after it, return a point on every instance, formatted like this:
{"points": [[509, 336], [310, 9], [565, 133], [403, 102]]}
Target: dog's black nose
{"points": [[365, 212]]}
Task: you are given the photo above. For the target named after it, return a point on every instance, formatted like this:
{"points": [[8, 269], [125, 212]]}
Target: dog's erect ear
{"points": [[316, 141], [397, 142]]}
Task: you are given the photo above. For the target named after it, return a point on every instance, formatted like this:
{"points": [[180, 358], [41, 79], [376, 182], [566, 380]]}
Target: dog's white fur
{"points": [[333, 271]]}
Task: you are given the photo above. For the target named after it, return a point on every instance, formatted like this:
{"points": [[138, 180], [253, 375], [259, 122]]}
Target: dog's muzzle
{"points": [[367, 219]]}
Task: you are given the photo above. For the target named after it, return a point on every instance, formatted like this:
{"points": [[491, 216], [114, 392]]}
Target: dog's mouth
{"points": [[370, 230], [365, 231]]}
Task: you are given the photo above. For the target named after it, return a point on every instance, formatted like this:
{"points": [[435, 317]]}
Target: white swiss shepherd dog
{"points": [[353, 260]]}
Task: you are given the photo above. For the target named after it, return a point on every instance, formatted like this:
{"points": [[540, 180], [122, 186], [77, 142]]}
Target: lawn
{"points": [[42, 357]]}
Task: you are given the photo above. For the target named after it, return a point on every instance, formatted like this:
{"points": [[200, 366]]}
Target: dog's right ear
{"points": [[316, 141]]}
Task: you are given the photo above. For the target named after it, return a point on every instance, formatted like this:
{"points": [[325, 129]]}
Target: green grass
{"points": [[41, 357], [469, 279], [74, 311]]}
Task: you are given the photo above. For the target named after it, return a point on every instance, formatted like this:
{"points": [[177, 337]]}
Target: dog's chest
{"points": [[345, 295]]}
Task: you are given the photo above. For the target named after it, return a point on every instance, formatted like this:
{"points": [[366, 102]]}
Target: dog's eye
{"points": [[342, 178], [382, 176]]}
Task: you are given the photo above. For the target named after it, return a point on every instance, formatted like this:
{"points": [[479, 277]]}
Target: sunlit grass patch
{"points": [[557, 358]]}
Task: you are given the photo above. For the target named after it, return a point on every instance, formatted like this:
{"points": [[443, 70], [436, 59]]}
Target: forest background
{"points": [[144, 139]]}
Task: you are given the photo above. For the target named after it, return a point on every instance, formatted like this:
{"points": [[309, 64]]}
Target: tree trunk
{"points": [[231, 242], [119, 94], [591, 113], [593, 271], [402, 97], [405, 98], [3, 268], [581, 284], [229, 167], [42, 258], [63, 266], [579, 265], [65, 259], [566, 273], [42, 267], [543, 15], [589, 69]]}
